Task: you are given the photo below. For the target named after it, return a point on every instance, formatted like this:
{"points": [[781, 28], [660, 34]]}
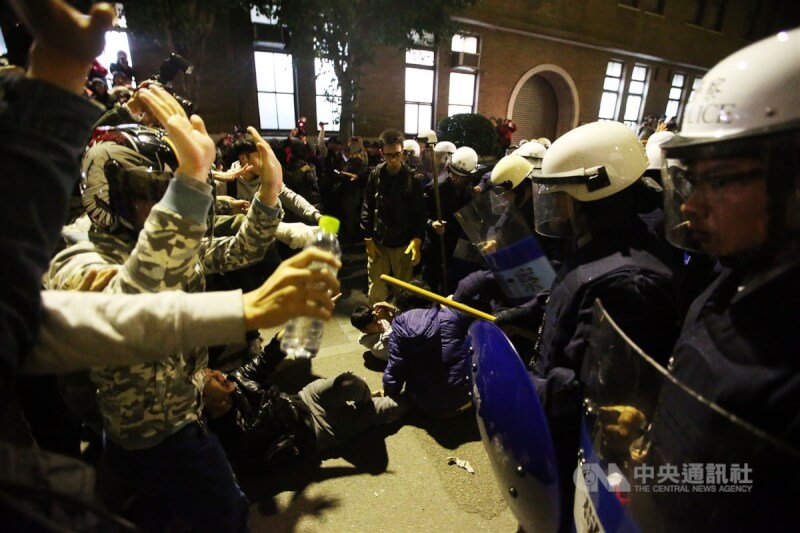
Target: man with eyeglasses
{"points": [[732, 190], [392, 218]]}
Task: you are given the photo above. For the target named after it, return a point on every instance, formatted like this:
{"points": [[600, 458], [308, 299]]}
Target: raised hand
{"points": [[65, 40], [269, 169], [194, 149], [230, 175]]}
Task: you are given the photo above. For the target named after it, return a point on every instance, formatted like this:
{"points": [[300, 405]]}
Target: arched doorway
{"points": [[544, 103]]}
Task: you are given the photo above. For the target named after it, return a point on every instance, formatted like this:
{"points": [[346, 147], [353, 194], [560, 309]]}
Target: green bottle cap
{"points": [[329, 224]]}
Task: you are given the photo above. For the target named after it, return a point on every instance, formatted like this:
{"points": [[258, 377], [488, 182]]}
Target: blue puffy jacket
{"points": [[427, 353]]}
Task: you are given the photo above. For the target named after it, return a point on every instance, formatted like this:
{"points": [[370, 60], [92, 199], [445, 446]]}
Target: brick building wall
{"points": [[573, 39]]}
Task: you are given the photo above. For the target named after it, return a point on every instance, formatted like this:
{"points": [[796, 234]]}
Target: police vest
{"points": [[567, 299]]}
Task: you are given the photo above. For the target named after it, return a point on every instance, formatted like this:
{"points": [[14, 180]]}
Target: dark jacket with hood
{"points": [[265, 427], [427, 353]]}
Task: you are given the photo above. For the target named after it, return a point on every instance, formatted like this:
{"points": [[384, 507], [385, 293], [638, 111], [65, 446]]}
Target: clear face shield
{"points": [[695, 194], [553, 211], [134, 192], [441, 160], [678, 187], [553, 207]]}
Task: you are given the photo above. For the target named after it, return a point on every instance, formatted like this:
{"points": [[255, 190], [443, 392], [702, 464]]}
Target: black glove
{"points": [[526, 317]]}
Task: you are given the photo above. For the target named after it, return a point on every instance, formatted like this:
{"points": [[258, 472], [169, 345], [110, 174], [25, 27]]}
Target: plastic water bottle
{"points": [[303, 335]]}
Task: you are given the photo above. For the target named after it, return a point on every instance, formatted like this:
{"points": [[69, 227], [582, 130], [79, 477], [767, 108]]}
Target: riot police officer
{"points": [[454, 193], [589, 191], [732, 189]]}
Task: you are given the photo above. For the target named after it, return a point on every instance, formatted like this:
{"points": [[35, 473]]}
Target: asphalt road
{"points": [[394, 479]]}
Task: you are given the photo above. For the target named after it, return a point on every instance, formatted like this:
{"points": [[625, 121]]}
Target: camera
{"points": [[301, 127], [171, 67]]}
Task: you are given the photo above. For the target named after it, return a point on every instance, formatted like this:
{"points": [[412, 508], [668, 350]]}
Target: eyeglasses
{"points": [[686, 182], [392, 155]]}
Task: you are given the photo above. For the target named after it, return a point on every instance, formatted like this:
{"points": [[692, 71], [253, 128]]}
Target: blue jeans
{"points": [[185, 479]]}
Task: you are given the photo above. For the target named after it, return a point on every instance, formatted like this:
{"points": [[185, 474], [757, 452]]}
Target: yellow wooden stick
{"points": [[477, 313]]}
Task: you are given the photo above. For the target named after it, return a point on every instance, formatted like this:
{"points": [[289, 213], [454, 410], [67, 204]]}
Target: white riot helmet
{"points": [[510, 171], [442, 152], [464, 161], [589, 163], [533, 151], [428, 136], [544, 141], [653, 148], [444, 147], [411, 147], [747, 106]]}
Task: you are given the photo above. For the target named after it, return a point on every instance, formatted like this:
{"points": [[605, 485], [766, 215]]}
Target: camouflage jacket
{"points": [[143, 404]]}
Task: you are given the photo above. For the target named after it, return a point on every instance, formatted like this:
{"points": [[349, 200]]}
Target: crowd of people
{"points": [[690, 244], [122, 82]]}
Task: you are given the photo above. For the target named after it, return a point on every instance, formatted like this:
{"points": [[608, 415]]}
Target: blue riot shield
{"points": [[514, 429], [498, 231], [657, 456]]}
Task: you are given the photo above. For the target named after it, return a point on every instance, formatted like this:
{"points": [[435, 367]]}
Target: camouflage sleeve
{"points": [[69, 267], [166, 253], [251, 241]]}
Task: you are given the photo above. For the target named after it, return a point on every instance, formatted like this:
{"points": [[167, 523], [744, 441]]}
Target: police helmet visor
{"points": [[552, 211]]}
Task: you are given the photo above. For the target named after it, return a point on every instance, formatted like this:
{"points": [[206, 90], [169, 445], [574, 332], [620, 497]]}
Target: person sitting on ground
{"points": [[259, 426], [428, 356], [375, 325]]}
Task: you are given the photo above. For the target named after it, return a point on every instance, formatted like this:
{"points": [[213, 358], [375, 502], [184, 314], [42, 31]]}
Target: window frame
{"points": [[617, 94], [680, 101], [459, 70], [335, 100], [416, 105], [633, 123], [263, 125]]}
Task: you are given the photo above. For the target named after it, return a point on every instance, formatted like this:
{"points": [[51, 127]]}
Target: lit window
{"points": [[116, 41], [462, 93], [464, 43], [257, 17], [328, 93], [275, 86], [419, 57], [637, 89], [675, 95], [419, 89], [612, 86], [695, 86]]}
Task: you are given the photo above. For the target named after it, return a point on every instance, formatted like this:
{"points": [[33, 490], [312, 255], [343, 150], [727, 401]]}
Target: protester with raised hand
{"points": [[152, 411]]}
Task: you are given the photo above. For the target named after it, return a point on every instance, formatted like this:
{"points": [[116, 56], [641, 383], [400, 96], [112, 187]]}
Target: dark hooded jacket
{"points": [[265, 427], [427, 354]]}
